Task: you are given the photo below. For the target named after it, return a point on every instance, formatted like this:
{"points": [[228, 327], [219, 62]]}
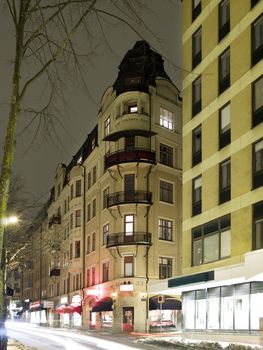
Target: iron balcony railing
{"points": [[129, 197], [128, 156], [123, 238]]}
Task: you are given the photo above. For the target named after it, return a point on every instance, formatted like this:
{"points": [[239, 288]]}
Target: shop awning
{"points": [[170, 303], [76, 307], [104, 304]]}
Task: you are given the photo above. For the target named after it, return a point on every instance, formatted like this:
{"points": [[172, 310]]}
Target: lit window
{"points": [[166, 119], [165, 267], [224, 126], [128, 266], [129, 225], [133, 109], [165, 229]]}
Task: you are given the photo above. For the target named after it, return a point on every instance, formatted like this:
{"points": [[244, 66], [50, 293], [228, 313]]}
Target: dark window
{"points": [[197, 196], [78, 218], [165, 267], [211, 241], [88, 245], [224, 181], [258, 225], [94, 175], [257, 40], [129, 187], [88, 212], [105, 233], [166, 155], [89, 180], [94, 207], [196, 8], [224, 71], [196, 48], [107, 127], [165, 229], [71, 251], [105, 271], [93, 242], [93, 276], [105, 197], [166, 192], [77, 249], [88, 278], [257, 98], [254, 2], [224, 126], [71, 221], [128, 266], [196, 96], [71, 191], [78, 188], [197, 145], [224, 19], [130, 142], [258, 164]]}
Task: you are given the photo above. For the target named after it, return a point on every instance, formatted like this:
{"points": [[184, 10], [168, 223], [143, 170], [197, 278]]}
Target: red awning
{"points": [[76, 307]]}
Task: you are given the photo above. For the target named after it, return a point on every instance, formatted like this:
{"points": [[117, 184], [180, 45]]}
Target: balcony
{"points": [[54, 220], [121, 238], [54, 272], [129, 156], [126, 197]]}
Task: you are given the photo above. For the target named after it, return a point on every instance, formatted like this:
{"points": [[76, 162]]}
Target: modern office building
{"points": [[222, 239], [113, 222]]}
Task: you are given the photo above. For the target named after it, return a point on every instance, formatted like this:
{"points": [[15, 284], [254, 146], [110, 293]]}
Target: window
{"points": [[93, 276], [129, 225], [93, 143], [166, 155], [71, 251], [129, 142], [89, 180], [59, 190], [257, 98], [254, 2], [166, 192], [78, 188], [71, 191], [94, 207], [107, 127], [105, 197], [128, 266], [105, 271], [197, 145], [196, 8], [88, 245], [258, 225], [211, 241], [197, 196], [257, 40], [77, 249], [78, 218], [88, 212], [196, 96], [166, 118], [224, 71], [196, 48], [65, 206], [258, 164], [165, 267], [224, 181], [224, 19], [93, 242], [165, 229], [88, 278], [132, 108], [71, 221], [105, 233], [224, 126], [94, 175]]}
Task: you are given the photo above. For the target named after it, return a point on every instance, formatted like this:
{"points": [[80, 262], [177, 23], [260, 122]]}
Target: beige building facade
{"points": [[114, 217], [222, 239]]}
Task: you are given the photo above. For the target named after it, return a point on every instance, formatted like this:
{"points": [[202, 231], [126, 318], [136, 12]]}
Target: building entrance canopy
{"points": [[104, 304]]}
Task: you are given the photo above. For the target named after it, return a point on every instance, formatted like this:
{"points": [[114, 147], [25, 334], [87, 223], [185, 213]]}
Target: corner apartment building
{"points": [[113, 222], [222, 244]]}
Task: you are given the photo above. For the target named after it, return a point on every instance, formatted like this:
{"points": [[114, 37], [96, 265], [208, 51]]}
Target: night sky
{"points": [[36, 163]]}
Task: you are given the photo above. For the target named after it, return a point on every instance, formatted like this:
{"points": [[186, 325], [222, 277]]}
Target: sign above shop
{"points": [[48, 304], [34, 305], [63, 300], [126, 287]]}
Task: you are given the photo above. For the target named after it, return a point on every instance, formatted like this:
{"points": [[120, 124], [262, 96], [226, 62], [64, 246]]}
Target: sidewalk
{"points": [[15, 345]]}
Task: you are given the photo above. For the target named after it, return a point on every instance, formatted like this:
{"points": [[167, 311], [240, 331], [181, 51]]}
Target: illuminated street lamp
{"points": [[10, 220]]}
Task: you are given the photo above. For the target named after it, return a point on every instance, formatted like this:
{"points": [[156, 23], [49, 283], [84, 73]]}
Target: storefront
{"points": [[164, 312], [237, 307], [101, 315]]}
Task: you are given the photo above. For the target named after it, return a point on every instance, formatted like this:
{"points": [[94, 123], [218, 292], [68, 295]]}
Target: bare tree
{"points": [[49, 38]]}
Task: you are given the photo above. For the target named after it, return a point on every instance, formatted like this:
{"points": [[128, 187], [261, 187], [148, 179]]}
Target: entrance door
{"points": [[128, 319]]}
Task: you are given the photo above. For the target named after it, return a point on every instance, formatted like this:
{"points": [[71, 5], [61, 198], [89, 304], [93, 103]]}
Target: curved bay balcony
{"points": [[128, 197], [121, 238], [129, 156]]}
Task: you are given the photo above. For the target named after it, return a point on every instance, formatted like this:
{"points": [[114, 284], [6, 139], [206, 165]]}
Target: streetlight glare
{"points": [[11, 220]]}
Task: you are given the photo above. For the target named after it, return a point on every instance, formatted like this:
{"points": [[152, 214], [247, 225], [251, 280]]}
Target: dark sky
{"points": [[37, 164]]}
